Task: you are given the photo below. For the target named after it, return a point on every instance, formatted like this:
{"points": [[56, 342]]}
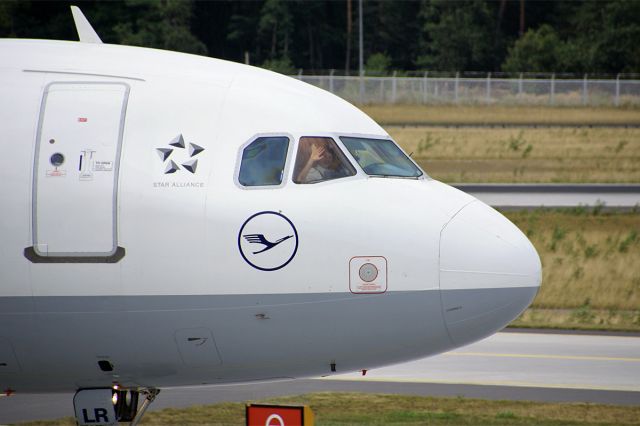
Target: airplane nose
{"points": [[489, 272]]}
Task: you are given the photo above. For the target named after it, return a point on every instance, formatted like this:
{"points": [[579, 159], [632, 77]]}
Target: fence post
{"points": [[441, 88], [361, 91], [520, 87], [394, 87], [488, 88], [425, 80], [331, 80]]}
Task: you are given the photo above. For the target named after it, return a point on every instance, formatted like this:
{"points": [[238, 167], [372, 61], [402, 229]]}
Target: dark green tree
{"points": [[458, 36], [275, 28], [241, 30], [7, 9], [590, 36], [163, 24], [33, 19], [537, 51], [378, 64], [394, 27], [597, 37], [314, 33], [608, 35]]}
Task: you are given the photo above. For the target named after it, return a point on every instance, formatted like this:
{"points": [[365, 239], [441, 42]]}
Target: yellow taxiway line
{"points": [[541, 356], [482, 383], [505, 382]]}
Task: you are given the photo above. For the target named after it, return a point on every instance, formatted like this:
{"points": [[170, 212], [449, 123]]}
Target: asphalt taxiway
{"points": [[526, 196], [545, 367]]}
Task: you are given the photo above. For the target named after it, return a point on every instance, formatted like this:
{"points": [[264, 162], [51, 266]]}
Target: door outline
{"points": [[117, 253]]}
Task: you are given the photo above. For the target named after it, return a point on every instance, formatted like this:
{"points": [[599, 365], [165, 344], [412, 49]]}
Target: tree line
{"points": [[583, 36]]}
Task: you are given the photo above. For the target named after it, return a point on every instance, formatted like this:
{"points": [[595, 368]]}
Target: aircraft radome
{"points": [[173, 220]]}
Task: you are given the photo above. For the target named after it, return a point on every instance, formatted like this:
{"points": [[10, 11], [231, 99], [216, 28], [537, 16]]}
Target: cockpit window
{"points": [[380, 157], [263, 161], [320, 159]]}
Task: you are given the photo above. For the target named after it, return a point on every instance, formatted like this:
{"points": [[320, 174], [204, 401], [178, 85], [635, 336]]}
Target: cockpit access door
{"points": [[76, 167]]}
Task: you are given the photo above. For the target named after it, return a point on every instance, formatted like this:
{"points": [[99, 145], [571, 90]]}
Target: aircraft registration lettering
{"points": [[99, 415]]}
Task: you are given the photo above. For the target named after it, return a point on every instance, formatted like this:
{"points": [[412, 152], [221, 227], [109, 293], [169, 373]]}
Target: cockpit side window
{"points": [[381, 157], [263, 161], [320, 159]]}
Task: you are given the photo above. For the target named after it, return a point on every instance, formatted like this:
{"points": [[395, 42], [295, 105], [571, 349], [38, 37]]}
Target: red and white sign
{"points": [[278, 415], [368, 274]]}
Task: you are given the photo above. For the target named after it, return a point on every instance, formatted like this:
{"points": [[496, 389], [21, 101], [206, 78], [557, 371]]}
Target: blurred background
{"points": [[500, 36]]}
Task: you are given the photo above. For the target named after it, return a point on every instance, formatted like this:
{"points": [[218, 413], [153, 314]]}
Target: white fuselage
{"points": [[110, 257]]}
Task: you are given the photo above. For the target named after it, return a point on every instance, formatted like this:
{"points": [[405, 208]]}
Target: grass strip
{"points": [[590, 272], [550, 155], [584, 318], [378, 409], [493, 114]]}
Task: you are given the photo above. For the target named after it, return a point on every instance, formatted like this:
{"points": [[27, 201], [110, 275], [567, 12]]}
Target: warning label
{"points": [[56, 173], [102, 166], [368, 274]]}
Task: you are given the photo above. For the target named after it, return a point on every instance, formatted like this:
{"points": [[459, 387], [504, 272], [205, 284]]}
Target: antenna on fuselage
{"points": [[85, 31]]}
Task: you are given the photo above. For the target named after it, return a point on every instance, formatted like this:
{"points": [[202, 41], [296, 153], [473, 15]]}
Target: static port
{"points": [[56, 159], [368, 272], [105, 365]]}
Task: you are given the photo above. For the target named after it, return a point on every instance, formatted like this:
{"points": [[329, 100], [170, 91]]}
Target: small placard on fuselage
{"points": [[368, 274], [102, 166]]}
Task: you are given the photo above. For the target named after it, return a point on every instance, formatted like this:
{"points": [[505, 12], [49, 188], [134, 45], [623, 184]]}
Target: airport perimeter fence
{"points": [[427, 90]]}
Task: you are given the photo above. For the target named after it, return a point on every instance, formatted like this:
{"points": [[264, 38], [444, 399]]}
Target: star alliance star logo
{"points": [[178, 146]]}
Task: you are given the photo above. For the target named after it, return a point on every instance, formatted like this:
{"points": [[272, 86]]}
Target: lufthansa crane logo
{"points": [[268, 241], [176, 156], [260, 239]]}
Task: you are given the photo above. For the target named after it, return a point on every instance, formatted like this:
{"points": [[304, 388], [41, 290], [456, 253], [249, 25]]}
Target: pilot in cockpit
{"points": [[320, 159]]}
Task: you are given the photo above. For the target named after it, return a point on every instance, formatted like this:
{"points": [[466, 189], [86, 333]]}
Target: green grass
{"points": [[517, 155], [591, 273], [378, 409], [590, 268], [524, 155], [583, 318], [483, 114]]}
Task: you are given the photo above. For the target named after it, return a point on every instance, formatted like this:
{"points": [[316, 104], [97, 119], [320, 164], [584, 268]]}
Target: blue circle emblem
{"points": [[268, 241]]}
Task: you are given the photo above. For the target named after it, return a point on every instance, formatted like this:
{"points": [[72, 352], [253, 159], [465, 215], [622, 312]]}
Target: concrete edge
{"points": [[570, 332]]}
